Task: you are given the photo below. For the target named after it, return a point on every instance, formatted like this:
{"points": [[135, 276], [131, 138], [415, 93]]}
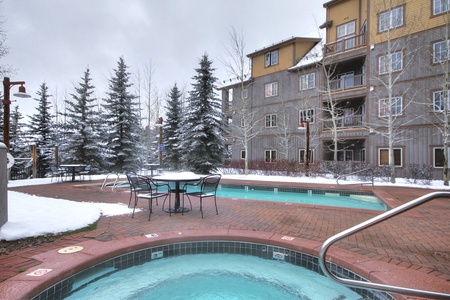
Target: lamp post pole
{"points": [[160, 125], [307, 154], [7, 84]]}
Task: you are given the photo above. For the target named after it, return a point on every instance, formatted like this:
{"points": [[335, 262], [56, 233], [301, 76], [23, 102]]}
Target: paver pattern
{"points": [[418, 239]]}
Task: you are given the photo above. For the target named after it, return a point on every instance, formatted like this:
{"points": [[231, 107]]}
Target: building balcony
{"points": [[344, 122], [346, 82], [345, 44]]}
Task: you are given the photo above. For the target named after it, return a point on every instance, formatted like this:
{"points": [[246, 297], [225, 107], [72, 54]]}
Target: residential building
{"points": [[379, 78]]}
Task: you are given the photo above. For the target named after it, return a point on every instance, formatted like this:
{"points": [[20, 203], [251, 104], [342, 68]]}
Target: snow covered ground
{"points": [[30, 216]]}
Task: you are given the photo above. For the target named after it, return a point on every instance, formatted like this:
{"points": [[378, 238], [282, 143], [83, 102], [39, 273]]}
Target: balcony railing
{"points": [[344, 122], [346, 82], [345, 44]]}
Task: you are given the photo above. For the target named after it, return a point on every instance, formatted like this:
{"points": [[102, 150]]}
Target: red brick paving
{"points": [[418, 240]]}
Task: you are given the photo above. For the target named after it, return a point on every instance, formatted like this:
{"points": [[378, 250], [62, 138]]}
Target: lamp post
{"points": [[7, 84], [159, 124], [303, 127]]}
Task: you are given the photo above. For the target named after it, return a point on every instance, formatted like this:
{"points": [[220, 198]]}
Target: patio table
{"points": [[73, 168], [177, 178]]}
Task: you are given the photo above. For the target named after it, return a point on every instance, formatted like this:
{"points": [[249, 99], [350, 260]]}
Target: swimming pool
{"points": [[336, 198], [255, 264], [209, 276]]}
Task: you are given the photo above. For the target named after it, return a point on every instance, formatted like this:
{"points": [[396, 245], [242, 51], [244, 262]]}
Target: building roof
{"points": [[312, 57], [282, 43]]}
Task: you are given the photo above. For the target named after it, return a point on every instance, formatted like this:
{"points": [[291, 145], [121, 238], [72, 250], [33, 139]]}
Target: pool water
{"points": [[362, 201], [209, 276]]}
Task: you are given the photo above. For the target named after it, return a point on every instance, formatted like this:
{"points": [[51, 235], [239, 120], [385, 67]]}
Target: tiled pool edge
{"points": [[265, 251], [22, 286]]}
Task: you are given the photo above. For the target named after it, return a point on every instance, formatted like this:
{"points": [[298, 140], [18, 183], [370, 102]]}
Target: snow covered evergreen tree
{"points": [[41, 130], [122, 117], [83, 130], [203, 128], [171, 136], [20, 145]]}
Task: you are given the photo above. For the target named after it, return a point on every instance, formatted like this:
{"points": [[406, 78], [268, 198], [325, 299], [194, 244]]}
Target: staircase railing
{"points": [[369, 223]]}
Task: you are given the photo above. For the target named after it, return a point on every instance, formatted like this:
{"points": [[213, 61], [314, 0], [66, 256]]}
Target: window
{"points": [[383, 157], [271, 58], [307, 81], [302, 156], [346, 31], [345, 155], [396, 107], [306, 115], [438, 157], [438, 100], [392, 64], [441, 51], [390, 19], [271, 89], [242, 154], [270, 155], [362, 155], [271, 120], [440, 6]]}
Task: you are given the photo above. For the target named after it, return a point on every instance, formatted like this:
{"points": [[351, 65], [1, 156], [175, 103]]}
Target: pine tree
{"points": [[203, 128], [20, 146], [83, 130], [171, 136], [41, 130], [122, 118]]}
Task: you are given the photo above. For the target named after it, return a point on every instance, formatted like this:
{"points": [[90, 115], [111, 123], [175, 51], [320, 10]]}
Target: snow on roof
{"points": [[312, 57]]}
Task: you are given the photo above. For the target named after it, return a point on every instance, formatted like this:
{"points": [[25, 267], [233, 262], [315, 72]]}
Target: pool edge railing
{"points": [[369, 223]]}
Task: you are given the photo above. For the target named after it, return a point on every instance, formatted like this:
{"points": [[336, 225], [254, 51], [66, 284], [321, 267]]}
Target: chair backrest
{"points": [[137, 182], [210, 184]]}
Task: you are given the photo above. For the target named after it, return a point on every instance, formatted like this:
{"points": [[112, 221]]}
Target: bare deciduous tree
{"points": [[238, 67]]}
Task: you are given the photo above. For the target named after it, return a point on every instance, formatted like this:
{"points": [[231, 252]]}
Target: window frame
{"points": [[382, 107], [435, 157], [437, 59], [271, 58], [270, 120], [301, 155], [307, 81], [400, 158], [242, 154], [384, 62], [388, 15], [443, 8], [306, 115], [271, 89], [270, 156], [441, 104]]}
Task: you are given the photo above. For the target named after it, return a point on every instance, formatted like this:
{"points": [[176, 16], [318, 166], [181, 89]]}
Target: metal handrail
{"points": [[359, 183], [384, 216]]}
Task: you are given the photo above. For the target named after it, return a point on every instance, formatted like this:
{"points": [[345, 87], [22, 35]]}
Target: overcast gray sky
{"points": [[53, 41]]}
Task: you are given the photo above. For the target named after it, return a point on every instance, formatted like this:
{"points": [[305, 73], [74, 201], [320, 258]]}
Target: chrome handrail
{"points": [[384, 216], [359, 183]]}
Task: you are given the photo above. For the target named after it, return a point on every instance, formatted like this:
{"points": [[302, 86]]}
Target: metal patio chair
{"points": [[143, 187], [207, 189]]}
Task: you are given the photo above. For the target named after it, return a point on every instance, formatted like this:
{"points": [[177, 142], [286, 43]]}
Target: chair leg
{"points": [[135, 204], [201, 207], [129, 202], [215, 203], [150, 204]]}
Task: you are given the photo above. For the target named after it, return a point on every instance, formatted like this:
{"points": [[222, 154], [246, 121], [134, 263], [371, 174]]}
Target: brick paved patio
{"points": [[417, 241]]}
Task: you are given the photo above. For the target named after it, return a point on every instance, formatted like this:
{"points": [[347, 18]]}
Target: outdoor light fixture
{"points": [[7, 84], [159, 124], [302, 126]]}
